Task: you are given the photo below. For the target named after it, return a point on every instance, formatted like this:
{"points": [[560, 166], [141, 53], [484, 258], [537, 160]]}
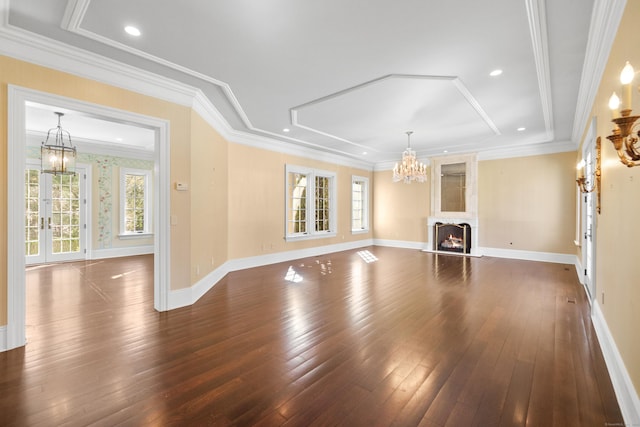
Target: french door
{"points": [[55, 212], [588, 221]]}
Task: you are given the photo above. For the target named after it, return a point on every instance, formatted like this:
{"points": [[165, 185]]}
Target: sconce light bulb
{"points": [[614, 102], [581, 164], [627, 74]]}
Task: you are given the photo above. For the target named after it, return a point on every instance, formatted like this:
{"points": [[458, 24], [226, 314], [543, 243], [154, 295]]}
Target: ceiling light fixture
{"points": [[58, 158], [495, 73], [521, 129], [623, 138], [286, 130], [409, 169], [132, 31]]}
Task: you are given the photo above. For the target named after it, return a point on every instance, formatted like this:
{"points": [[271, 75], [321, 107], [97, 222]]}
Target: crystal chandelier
{"points": [[410, 169], [58, 158]]}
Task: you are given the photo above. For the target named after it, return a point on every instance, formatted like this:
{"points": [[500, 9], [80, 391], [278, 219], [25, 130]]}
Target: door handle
{"points": [[49, 223], [41, 223]]}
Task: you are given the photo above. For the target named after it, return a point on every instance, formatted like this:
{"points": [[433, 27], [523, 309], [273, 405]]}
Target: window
{"points": [[359, 204], [135, 201], [311, 206]]}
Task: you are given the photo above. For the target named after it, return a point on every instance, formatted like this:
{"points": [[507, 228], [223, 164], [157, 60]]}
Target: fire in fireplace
{"points": [[452, 237]]}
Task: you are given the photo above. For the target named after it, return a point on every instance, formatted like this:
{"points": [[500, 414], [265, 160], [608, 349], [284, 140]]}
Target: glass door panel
{"points": [[54, 217]]}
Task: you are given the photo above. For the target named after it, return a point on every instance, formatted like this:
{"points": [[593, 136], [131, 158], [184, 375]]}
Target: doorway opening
{"points": [[19, 99]]}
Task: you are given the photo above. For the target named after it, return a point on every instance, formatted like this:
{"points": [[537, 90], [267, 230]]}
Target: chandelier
{"points": [[58, 158], [409, 169], [625, 136]]}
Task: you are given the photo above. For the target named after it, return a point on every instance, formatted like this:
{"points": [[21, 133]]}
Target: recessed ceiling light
{"points": [[495, 73], [521, 129], [445, 151], [364, 153], [132, 31], [119, 139], [286, 130]]}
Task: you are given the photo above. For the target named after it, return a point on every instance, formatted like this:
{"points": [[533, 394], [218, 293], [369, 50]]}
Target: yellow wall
{"points": [[528, 203], [257, 204], [400, 210], [617, 231]]}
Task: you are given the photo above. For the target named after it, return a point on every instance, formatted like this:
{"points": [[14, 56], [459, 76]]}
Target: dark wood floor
{"points": [[407, 339]]}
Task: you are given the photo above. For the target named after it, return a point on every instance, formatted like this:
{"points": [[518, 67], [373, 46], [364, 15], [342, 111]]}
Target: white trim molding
{"points": [[528, 255], [121, 252], [402, 244], [622, 384], [3, 339], [605, 20]]}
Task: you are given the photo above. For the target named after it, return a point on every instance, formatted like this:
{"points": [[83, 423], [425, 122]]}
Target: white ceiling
{"points": [[350, 76]]}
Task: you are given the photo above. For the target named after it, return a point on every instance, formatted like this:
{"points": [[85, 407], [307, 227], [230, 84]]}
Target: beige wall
{"points": [[209, 195], [400, 210], [257, 204], [617, 231], [528, 203]]}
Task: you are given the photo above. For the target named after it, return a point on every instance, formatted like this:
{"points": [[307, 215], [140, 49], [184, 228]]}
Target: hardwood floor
{"points": [[405, 339]]}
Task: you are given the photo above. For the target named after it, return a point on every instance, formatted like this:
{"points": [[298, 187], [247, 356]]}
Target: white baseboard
{"points": [[624, 389], [528, 255], [188, 296], [3, 339], [404, 244], [579, 269], [120, 252]]}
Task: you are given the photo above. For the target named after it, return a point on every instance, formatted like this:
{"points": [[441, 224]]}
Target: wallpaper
{"points": [[103, 167]]}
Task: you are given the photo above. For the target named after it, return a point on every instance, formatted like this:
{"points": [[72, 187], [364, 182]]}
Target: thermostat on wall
{"points": [[181, 186]]}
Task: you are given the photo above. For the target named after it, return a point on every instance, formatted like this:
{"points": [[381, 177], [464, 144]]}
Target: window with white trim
{"points": [[135, 202], [359, 204], [311, 203]]}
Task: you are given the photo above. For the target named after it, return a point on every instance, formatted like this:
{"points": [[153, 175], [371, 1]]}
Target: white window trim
{"points": [[365, 205], [310, 204], [148, 224]]}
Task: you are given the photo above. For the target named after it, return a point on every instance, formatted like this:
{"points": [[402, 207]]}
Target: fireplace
{"points": [[452, 237]]}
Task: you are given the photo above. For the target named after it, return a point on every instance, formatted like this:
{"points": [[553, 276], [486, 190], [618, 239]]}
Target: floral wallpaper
{"points": [[103, 166]]}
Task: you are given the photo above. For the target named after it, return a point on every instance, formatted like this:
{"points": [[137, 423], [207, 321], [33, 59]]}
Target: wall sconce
{"points": [[623, 138], [588, 185]]}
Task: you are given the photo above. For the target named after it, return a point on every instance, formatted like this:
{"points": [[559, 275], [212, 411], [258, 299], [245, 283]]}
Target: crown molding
{"points": [[605, 19], [537, 16], [39, 50], [528, 150]]}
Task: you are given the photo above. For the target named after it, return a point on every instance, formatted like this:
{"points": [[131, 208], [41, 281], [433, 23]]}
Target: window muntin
{"points": [[135, 200], [32, 212], [297, 220], [359, 204], [311, 207]]}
